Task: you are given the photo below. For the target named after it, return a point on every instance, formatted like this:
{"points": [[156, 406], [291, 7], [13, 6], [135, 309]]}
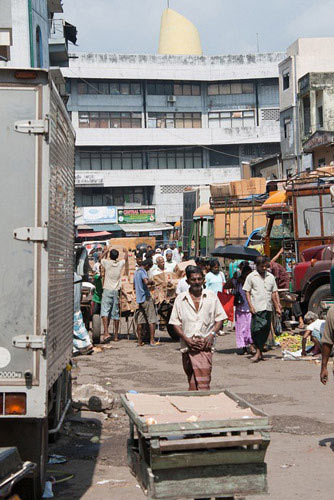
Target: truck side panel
{"points": [[61, 239]]}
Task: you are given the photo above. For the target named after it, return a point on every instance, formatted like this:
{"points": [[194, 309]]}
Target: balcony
{"points": [[61, 33]]}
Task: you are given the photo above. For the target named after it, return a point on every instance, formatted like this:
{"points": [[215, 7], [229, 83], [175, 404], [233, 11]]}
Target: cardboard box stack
{"points": [[164, 288], [239, 189]]}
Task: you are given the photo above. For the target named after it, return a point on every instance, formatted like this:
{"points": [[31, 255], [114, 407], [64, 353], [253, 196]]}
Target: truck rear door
{"points": [[20, 206]]}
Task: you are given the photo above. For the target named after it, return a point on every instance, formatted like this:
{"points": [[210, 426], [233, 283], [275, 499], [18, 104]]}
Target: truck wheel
{"points": [[173, 335], [321, 293], [96, 329]]}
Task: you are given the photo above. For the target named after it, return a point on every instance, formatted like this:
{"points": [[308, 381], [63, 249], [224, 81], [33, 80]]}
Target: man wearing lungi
{"points": [[197, 317], [261, 293]]}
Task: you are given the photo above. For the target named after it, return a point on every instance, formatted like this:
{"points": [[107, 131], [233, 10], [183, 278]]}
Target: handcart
{"points": [[196, 445]]}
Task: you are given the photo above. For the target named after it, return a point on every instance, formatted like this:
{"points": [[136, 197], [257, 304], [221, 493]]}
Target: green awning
{"points": [[105, 227]]}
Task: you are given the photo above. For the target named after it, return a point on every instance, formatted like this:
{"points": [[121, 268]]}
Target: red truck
{"points": [[301, 221], [311, 278]]}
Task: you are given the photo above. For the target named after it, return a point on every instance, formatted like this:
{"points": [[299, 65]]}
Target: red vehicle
{"points": [[311, 277]]}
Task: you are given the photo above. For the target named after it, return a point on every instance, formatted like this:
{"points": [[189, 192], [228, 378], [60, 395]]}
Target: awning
{"points": [[146, 227], [105, 227], [88, 234]]}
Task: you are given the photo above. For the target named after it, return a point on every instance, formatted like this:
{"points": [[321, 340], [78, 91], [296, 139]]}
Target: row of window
{"points": [[230, 88], [159, 87], [109, 87], [222, 119], [173, 158], [170, 88], [106, 119], [108, 196], [174, 120], [232, 119]]}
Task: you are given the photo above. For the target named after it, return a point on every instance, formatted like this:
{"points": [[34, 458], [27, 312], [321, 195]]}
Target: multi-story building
{"points": [[303, 56], [316, 105], [31, 37], [148, 126]]}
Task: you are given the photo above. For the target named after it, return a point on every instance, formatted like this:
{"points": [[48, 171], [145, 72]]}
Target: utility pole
{"points": [[167, 4], [257, 43]]}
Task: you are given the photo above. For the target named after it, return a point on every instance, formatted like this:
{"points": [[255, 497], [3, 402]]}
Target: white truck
{"points": [[36, 265]]}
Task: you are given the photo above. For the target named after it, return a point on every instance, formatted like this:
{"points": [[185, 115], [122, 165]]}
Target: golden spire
{"points": [[178, 36]]}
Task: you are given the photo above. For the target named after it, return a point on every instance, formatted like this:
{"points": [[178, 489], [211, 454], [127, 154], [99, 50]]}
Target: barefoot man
{"points": [[261, 292], [197, 317]]}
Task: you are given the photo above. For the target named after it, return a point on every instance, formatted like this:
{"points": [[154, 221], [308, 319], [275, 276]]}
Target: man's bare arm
{"points": [[249, 300], [277, 303]]}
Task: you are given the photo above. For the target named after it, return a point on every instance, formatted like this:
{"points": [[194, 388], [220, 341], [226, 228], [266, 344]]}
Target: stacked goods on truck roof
{"points": [[237, 210]]}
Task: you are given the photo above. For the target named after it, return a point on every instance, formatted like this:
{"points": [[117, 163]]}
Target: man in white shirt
{"points": [[261, 293], [160, 266], [177, 255], [197, 317], [111, 286], [170, 264]]}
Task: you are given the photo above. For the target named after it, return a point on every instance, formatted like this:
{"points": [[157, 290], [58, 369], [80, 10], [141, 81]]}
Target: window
{"points": [[106, 196], [176, 158], [286, 80], [39, 48], [322, 162], [287, 128], [106, 119], [160, 87], [109, 87], [174, 120], [306, 106], [232, 119], [230, 88], [320, 117]]}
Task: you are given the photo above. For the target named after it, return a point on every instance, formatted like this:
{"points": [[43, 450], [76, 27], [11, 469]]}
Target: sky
{"points": [[225, 27]]}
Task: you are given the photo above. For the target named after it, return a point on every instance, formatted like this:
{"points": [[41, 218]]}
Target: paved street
{"points": [[300, 457]]}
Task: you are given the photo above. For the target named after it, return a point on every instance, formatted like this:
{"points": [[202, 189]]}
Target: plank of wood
{"points": [[204, 458], [213, 481], [211, 442]]}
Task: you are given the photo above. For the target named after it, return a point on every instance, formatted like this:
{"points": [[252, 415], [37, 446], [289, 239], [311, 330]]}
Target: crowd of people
{"points": [[199, 311]]}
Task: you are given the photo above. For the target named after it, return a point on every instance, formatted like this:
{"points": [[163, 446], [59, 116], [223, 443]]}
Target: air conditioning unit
{"points": [[171, 98]]}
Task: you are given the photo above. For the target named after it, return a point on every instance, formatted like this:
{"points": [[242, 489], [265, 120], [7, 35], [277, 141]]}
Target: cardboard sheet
{"points": [[170, 409]]}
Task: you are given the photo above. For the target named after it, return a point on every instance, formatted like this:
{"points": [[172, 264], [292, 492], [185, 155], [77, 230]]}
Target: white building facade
{"points": [[148, 126], [305, 55], [31, 36]]}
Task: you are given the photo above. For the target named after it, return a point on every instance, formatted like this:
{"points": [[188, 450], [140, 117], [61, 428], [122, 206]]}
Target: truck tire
{"points": [[321, 293], [96, 328], [173, 335]]}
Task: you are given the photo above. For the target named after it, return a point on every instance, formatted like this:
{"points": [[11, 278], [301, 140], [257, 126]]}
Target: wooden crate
{"points": [[201, 459]]}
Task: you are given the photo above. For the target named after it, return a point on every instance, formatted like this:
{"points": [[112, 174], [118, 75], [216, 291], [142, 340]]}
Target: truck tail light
{"points": [[15, 403]]}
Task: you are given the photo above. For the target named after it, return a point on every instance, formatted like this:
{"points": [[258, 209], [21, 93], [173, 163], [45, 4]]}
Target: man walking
{"points": [[112, 284], [261, 293], [146, 313], [197, 317]]}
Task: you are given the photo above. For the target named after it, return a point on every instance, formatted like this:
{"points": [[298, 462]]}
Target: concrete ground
{"points": [[300, 457]]}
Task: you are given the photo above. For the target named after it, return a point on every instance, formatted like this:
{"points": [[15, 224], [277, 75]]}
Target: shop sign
{"points": [[99, 215], [136, 215], [89, 178]]}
